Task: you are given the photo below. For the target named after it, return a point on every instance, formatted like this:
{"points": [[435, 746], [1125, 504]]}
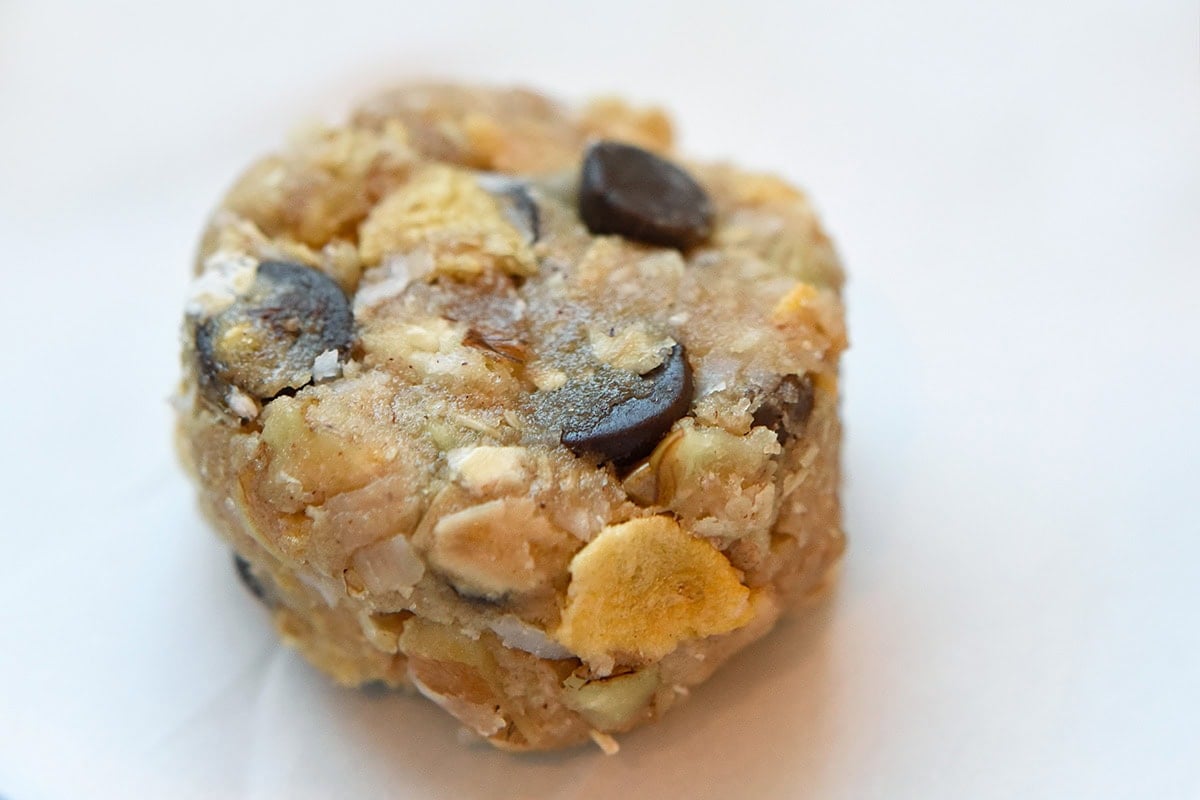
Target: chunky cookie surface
{"points": [[509, 403]]}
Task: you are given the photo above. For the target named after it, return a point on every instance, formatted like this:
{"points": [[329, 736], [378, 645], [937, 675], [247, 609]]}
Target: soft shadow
{"points": [[758, 728]]}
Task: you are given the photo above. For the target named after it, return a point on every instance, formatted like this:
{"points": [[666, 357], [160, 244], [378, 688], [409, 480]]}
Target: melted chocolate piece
{"points": [[632, 427], [265, 343], [632, 192]]}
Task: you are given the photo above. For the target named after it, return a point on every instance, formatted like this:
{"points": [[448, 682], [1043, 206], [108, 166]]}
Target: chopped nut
{"points": [[389, 566], [423, 638], [412, 341], [806, 308], [498, 547], [642, 484], [384, 630], [484, 470], [612, 704], [641, 587], [708, 473], [324, 185], [633, 348], [517, 634], [544, 377], [455, 672], [431, 350], [319, 459]]}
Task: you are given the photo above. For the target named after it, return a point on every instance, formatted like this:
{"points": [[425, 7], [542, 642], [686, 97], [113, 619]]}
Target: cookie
{"points": [[511, 404]]}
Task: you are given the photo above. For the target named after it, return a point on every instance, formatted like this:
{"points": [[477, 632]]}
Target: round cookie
{"points": [[506, 402]]}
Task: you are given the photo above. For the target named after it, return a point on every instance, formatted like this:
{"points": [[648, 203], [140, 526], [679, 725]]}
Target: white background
{"points": [[1015, 187]]}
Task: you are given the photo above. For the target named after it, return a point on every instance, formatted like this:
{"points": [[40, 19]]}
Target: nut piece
{"points": [[388, 566], [812, 314], [611, 704], [486, 469], [324, 442], [455, 672], [633, 349], [446, 210], [498, 547], [718, 483], [268, 339], [640, 588]]}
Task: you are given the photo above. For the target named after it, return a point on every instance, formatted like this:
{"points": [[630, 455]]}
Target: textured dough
{"points": [[412, 512]]}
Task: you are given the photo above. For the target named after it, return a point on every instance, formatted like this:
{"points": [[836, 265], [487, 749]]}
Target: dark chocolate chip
{"points": [[632, 427], [249, 579], [632, 192], [787, 407], [264, 343], [517, 202]]}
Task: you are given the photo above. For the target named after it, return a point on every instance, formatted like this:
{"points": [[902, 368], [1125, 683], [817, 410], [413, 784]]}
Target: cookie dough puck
{"points": [[510, 403]]}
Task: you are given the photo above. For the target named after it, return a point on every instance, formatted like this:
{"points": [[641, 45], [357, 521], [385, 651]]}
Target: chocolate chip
{"points": [[627, 190], [787, 407], [633, 426], [517, 202], [249, 579], [265, 343]]}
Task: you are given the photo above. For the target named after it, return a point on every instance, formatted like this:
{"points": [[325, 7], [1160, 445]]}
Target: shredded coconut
{"points": [[226, 275], [390, 565], [520, 635], [324, 586], [605, 742], [241, 403], [392, 278], [326, 366]]}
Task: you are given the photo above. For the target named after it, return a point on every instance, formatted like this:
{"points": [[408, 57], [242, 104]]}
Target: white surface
{"points": [[1016, 190]]}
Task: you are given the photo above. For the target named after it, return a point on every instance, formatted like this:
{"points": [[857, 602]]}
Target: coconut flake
{"points": [[324, 586], [392, 278], [520, 635], [390, 565], [715, 374], [182, 403], [605, 742], [226, 275], [241, 403], [326, 366]]}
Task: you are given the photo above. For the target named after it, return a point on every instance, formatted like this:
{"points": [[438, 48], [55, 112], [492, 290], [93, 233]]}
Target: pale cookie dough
{"points": [[508, 403]]}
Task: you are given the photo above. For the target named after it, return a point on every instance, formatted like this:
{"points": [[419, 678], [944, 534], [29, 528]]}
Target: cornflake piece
{"points": [[447, 211], [641, 587]]}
